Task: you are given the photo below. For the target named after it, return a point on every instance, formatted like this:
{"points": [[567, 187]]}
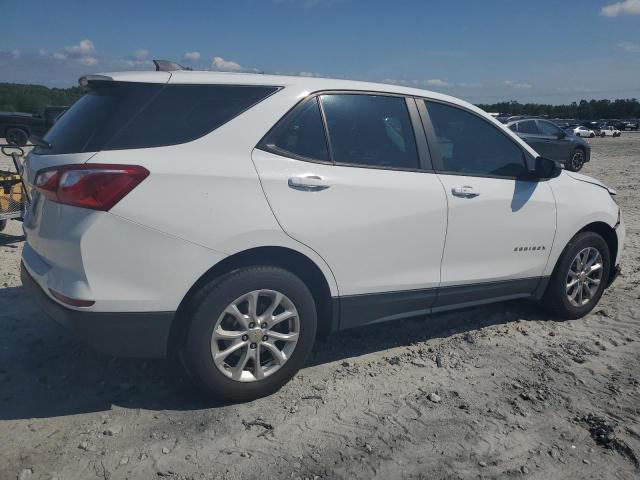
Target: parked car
{"points": [[609, 131], [581, 131], [552, 142], [16, 127], [630, 125], [230, 219]]}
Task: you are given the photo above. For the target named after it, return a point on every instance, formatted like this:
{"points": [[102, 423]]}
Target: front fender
{"points": [[578, 204]]}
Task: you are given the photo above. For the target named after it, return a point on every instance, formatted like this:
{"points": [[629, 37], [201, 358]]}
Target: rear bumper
{"points": [[123, 334]]}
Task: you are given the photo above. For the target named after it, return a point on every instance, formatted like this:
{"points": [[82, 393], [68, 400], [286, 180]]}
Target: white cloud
{"points": [[83, 49], [626, 7], [140, 54], [437, 82], [517, 85], [88, 61], [630, 46], [84, 53], [191, 56], [223, 65], [470, 85]]}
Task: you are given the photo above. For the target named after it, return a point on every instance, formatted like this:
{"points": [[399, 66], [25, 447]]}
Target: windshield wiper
{"points": [[40, 142]]}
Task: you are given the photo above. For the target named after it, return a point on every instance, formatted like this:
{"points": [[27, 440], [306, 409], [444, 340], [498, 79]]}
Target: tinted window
{"points": [[547, 128], [371, 130], [302, 134], [469, 144], [122, 115], [528, 126]]}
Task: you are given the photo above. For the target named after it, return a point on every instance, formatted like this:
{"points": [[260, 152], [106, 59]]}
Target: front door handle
{"points": [[308, 183], [465, 191]]}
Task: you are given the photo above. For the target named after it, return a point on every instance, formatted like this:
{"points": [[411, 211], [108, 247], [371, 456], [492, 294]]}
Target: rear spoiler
{"points": [[84, 80], [161, 66]]}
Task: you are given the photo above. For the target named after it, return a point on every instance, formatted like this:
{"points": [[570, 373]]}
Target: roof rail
{"points": [[168, 66]]}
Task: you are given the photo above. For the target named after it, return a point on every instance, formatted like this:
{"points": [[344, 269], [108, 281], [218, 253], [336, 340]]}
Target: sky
{"points": [[546, 51]]}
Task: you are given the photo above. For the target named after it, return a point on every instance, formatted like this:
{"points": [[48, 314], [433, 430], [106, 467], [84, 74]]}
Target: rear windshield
{"points": [[123, 115]]}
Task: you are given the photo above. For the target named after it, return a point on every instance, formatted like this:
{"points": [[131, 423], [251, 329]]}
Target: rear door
{"points": [[500, 225], [528, 131], [345, 175]]}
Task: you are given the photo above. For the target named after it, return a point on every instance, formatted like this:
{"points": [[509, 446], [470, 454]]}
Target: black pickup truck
{"points": [[16, 127]]}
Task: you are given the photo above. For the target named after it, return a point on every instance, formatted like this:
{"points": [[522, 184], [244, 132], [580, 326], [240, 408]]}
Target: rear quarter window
{"points": [[126, 115]]}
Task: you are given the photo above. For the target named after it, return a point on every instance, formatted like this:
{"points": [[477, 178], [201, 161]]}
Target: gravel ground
{"points": [[516, 393]]}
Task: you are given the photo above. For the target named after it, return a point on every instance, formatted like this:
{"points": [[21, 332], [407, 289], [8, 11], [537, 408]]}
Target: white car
{"points": [[233, 218], [609, 131], [584, 132]]}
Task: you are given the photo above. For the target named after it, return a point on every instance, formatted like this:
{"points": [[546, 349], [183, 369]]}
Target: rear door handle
{"points": [[308, 183], [465, 191]]}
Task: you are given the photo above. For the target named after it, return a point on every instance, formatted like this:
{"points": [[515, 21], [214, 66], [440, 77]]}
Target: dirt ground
{"points": [[517, 395]]}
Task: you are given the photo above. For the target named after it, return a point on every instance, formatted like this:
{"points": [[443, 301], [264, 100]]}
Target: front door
{"points": [[555, 144], [500, 227]]}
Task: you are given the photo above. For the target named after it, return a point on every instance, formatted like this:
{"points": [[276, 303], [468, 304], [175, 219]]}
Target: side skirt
{"points": [[366, 309]]}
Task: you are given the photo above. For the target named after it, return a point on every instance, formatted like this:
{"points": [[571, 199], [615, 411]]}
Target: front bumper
{"points": [[128, 334]]}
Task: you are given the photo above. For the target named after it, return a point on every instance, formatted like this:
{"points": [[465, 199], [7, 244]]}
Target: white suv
{"points": [[234, 218]]}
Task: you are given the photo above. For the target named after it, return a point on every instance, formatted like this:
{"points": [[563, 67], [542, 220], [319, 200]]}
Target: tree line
{"points": [[34, 98], [584, 110]]}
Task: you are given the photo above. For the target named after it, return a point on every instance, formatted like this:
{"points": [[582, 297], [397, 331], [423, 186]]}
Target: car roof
{"points": [[303, 83]]}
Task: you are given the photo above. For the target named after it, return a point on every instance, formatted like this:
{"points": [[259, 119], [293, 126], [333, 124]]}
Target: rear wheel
{"points": [[16, 136], [579, 279], [251, 332], [577, 160]]}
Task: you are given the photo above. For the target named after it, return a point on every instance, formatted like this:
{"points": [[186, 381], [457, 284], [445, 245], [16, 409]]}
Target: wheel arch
{"points": [[297, 263], [24, 128], [607, 232]]}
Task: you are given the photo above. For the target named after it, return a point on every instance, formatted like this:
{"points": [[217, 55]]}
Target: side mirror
{"points": [[562, 134], [546, 168]]}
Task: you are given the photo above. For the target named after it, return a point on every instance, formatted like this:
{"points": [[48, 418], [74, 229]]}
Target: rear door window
{"points": [[300, 134], [528, 126], [125, 115], [370, 130]]}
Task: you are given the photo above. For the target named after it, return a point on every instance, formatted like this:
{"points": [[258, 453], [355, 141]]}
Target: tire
{"points": [[210, 308], [16, 136], [576, 162], [592, 135], [556, 299]]}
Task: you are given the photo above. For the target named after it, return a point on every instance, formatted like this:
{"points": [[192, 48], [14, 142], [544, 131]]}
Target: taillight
{"points": [[89, 185]]}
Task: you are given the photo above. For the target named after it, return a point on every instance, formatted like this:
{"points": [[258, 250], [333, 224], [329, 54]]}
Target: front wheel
{"points": [[251, 331], [591, 135], [580, 276], [577, 160]]}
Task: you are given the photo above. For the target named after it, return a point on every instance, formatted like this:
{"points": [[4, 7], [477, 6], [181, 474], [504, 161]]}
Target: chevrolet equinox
{"points": [[232, 219]]}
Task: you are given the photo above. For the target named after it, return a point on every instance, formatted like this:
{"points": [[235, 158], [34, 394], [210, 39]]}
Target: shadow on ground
{"points": [[45, 373], [11, 241]]}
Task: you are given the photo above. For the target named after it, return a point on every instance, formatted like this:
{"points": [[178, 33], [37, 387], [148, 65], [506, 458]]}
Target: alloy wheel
{"points": [[255, 335], [584, 277], [577, 160]]}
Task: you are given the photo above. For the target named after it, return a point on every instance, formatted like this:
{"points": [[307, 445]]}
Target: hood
{"points": [[587, 179]]}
